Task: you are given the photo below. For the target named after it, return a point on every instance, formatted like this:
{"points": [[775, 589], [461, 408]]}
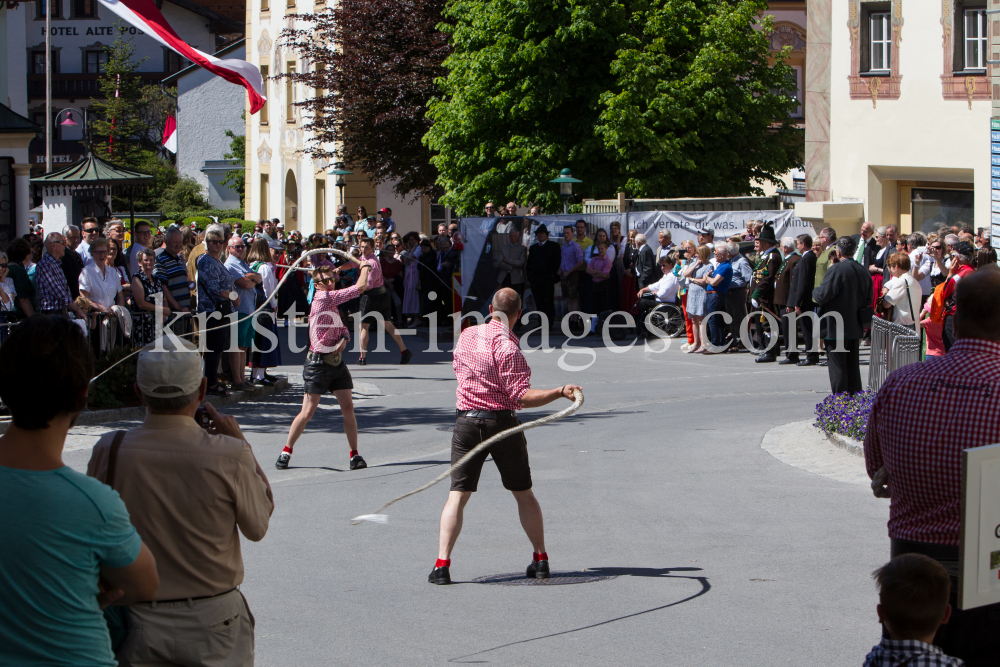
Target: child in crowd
{"points": [[913, 604]]}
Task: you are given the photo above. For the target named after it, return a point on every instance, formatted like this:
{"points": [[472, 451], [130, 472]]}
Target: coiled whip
{"points": [[378, 517]]}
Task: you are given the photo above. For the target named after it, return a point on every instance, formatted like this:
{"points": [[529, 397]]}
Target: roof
{"points": [[92, 170], [11, 122], [231, 24], [218, 54]]}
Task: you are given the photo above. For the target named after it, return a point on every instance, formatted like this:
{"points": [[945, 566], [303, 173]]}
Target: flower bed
{"points": [[846, 414]]}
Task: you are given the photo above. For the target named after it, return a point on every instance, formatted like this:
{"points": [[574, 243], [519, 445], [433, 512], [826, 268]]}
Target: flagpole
{"points": [[48, 85]]}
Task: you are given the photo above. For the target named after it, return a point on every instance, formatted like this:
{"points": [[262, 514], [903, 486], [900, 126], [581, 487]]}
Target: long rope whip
{"points": [[378, 517], [288, 274]]}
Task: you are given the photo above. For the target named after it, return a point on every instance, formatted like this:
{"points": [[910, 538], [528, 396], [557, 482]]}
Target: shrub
{"points": [[114, 390], [846, 414]]}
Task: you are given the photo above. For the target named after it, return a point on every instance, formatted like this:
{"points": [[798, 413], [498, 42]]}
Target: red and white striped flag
{"points": [[170, 135], [143, 14]]}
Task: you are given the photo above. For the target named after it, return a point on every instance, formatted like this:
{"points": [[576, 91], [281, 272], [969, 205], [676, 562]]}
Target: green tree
{"points": [[236, 178], [660, 98]]}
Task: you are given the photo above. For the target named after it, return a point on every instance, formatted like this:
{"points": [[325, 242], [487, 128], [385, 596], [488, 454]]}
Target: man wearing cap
{"points": [[544, 259], [190, 490], [762, 290], [705, 236], [386, 217]]}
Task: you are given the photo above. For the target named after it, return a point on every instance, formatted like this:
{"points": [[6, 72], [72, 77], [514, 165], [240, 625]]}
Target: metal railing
{"points": [[893, 346]]}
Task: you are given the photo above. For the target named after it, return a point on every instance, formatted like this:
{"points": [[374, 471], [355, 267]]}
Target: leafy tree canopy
{"points": [[372, 65], [657, 98]]}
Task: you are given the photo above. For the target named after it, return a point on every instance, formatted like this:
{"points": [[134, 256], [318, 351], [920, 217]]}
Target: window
{"points": [[41, 7], [174, 62], [935, 208], [83, 9], [38, 62], [95, 62], [290, 94], [264, 5], [263, 111], [880, 30], [263, 196], [975, 39]]}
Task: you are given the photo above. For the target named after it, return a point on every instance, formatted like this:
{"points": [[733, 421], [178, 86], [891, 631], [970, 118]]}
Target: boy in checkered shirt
{"points": [[913, 604]]}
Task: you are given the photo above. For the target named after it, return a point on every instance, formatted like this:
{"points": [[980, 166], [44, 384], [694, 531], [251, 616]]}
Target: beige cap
{"points": [[166, 370]]}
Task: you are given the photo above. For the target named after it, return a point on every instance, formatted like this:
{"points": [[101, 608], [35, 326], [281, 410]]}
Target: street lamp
{"points": [[339, 171], [566, 182]]}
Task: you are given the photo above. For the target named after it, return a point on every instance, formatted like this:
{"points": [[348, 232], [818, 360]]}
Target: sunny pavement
{"points": [[727, 544]]}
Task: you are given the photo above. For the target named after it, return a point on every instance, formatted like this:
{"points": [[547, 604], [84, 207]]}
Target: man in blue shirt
{"points": [[386, 215], [68, 548], [718, 286]]}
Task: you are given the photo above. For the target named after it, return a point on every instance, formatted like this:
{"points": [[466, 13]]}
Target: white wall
{"points": [[207, 106], [919, 130]]}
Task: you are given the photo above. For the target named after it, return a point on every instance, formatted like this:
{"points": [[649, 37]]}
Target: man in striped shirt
{"points": [[494, 381], [54, 297], [171, 269]]}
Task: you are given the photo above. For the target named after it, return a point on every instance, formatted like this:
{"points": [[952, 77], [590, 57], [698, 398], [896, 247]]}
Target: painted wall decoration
{"points": [[874, 87]]}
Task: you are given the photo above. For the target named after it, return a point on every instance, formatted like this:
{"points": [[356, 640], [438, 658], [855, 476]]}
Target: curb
{"points": [[849, 445], [92, 417]]}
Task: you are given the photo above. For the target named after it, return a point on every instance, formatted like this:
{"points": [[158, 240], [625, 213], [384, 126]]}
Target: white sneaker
{"points": [[686, 346]]}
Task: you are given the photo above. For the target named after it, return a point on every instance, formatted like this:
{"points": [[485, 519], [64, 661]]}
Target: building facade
{"points": [[283, 182], [207, 106], [80, 34], [898, 102]]}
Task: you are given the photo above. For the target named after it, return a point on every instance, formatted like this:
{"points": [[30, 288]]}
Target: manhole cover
{"points": [[448, 428], [557, 579]]}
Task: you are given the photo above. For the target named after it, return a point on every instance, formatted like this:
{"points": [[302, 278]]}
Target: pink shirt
{"points": [[491, 371], [325, 326], [375, 275], [601, 265]]}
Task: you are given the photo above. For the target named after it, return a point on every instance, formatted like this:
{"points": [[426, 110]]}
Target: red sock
{"points": [[354, 453], [287, 449], [442, 563], [539, 556]]}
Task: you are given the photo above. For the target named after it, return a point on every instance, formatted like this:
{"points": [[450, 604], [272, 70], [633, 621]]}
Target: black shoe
{"points": [[362, 362], [357, 463], [808, 362], [440, 576], [405, 358], [539, 569], [264, 382], [282, 461], [788, 360], [765, 359], [270, 377], [822, 363]]}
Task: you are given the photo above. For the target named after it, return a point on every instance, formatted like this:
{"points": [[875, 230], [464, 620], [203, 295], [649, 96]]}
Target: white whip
{"points": [[288, 274], [378, 517]]}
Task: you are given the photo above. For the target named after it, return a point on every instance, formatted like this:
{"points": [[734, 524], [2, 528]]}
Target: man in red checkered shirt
{"points": [[922, 418], [493, 383]]}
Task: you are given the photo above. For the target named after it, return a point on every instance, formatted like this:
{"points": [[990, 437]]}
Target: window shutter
{"points": [[866, 40], [958, 37]]}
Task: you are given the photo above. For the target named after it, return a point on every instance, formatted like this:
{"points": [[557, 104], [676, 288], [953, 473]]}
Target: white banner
{"points": [[682, 225]]}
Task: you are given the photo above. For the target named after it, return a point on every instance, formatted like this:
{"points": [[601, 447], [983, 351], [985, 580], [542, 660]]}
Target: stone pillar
{"points": [[22, 197], [817, 145]]}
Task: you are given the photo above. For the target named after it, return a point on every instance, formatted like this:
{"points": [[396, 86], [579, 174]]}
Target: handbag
{"points": [[115, 617], [884, 310]]}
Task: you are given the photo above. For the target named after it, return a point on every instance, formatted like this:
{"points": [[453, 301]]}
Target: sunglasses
{"points": [[3, 266], [326, 281], [214, 241], [238, 246], [90, 230]]}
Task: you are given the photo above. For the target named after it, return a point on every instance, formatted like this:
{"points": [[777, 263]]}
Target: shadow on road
{"points": [[661, 573]]}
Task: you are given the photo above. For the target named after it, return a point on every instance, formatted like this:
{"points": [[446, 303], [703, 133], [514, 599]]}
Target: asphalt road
{"points": [[714, 551]]}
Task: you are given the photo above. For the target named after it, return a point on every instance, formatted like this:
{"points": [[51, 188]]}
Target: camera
{"points": [[201, 416]]}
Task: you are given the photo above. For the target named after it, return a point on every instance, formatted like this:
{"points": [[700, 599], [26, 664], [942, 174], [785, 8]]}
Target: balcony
{"points": [[77, 86]]}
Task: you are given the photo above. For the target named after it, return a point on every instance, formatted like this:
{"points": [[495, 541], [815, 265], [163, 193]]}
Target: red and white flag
{"points": [[170, 135], [143, 14]]}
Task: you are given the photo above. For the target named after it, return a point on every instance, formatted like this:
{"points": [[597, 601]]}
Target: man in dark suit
{"points": [[646, 267], [782, 292], [867, 247], [762, 291], [800, 296], [544, 258], [846, 290]]}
